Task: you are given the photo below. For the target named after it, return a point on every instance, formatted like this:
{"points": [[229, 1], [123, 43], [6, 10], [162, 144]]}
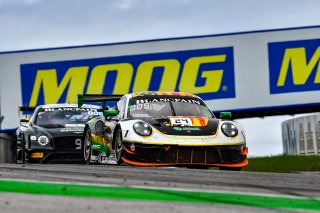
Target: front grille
{"points": [[186, 154], [55, 157], [192, 155], [66, 143]]}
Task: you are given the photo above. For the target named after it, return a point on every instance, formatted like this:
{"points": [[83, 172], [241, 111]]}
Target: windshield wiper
{"points": [[172, 109]]}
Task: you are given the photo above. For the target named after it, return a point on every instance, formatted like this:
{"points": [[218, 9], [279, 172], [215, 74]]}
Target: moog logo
{"points": [[208, 73], [294, 66]]}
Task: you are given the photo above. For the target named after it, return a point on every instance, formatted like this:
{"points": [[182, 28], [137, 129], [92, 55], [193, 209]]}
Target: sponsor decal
{"points": [[94, 146], [208, 73], [162, 94], [294, 66], [71, 130], [71, 106], [71, 109], [95, 113], [75, 125], [187, 128], [106, 160], [151, 100]]}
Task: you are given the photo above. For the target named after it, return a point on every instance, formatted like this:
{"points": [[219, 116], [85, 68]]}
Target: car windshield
{"points": [[161, 107], [66, 117]]}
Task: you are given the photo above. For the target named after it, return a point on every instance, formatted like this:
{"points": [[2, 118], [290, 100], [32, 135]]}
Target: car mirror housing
{"points": [[110, 112], [225, 115]]}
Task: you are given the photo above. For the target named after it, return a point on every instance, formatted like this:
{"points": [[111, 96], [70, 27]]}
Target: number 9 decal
{"points": [[78, 143]]}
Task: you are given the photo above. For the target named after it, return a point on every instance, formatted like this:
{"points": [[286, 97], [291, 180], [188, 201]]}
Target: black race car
{"points": [[53, 133]]}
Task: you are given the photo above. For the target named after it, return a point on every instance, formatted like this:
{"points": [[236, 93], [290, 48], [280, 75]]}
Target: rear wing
{"points": [[97, 98], [26, 109]]}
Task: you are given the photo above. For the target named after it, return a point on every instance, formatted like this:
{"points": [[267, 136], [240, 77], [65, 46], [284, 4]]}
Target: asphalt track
{"points": [[110, 188]]}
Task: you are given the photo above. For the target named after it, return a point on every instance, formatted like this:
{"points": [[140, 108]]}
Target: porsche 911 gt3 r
{"points": [[53, 133], [162, 129]]}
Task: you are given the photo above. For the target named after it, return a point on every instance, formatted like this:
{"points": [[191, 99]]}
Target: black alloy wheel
{"points": [[87, 150], [118, 148], [21, 157]]}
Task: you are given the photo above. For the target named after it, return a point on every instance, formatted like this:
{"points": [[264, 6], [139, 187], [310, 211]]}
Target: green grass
{"points": [[284, 163], [164, 195]]}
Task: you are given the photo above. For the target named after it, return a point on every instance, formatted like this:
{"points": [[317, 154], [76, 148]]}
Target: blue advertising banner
{"points": [[294, 66], [208, 73]]}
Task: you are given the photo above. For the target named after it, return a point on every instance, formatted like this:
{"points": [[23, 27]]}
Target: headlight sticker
{"points": [[142, 128], [43, 140], [229, 129]]}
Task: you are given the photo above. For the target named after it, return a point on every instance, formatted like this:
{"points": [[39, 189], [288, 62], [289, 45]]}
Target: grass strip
{"points": [[115, 192], [284, 163]]}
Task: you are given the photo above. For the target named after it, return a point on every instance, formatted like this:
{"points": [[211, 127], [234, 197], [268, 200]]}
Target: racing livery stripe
{"points": [[199, 121], [100, 143], [242, 164], [159, 194], [223, 143], [98, 139]]}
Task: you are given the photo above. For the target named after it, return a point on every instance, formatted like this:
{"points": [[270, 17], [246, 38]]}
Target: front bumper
{"points": [[164, 155], [52, 156]]}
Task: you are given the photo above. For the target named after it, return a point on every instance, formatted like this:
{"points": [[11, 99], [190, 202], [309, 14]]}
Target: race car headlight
{"points": [[43, 140], [229, 129], [142, 128], [33, 137]]}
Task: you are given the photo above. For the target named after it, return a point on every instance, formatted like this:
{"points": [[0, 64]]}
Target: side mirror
{"points": [[24, 120], [110, 112], [225, 115]]}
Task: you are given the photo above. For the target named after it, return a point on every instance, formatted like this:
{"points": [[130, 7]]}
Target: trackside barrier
{"points": [[7, 147]]}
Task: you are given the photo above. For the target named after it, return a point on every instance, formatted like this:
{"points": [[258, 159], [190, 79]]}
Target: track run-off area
{"points": [[109, 188]]}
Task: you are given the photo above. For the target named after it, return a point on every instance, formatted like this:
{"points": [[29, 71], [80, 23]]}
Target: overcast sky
{"points": [[32, 24]]}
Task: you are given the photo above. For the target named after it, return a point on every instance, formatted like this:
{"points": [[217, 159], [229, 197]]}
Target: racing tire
{"points": [[118, 148], [21, 157], [230, 168], [87, 148]]}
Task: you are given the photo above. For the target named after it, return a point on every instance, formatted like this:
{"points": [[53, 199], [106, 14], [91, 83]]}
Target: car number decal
{"points": [[181, 121], [78, 143]]}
